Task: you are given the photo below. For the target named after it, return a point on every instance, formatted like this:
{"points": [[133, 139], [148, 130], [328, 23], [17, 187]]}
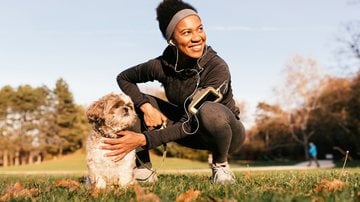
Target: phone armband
{"points": [[203, 95]]}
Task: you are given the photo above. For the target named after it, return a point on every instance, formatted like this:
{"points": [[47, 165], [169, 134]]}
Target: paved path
{"points": [[299, 166]]}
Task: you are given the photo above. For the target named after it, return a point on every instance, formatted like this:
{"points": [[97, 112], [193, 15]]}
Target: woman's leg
{"points": [[219, 132]]}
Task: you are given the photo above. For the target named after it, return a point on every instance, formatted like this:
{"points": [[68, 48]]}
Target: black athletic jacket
{"points": [[178, 86]]}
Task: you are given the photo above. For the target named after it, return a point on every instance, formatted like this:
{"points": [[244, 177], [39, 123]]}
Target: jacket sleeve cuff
{"points": [[153, 139]]}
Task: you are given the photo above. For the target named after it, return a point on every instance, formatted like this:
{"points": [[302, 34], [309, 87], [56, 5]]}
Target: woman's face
{"points": [[189, 36]]}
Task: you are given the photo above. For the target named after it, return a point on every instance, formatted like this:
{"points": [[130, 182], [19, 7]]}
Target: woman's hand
{"points": [[119, 147], [152, 116]]}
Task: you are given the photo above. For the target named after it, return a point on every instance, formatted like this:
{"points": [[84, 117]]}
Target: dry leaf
{"points": [[188, 196], [95, 192], [142, 196], [317, 199], [329, 186], [18, 191], [69, 184], [214, 199]]}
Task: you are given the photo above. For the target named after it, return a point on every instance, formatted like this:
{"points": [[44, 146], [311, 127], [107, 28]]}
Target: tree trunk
{"points": [[24, 159], [38, 158], [11, 158], [17, 158], [31, 158], [5, 158]]}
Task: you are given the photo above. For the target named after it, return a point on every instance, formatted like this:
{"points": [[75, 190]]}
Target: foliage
{"points": [[33, 119], [272, 131], [313, 107], [310, 185], [69, 120]]}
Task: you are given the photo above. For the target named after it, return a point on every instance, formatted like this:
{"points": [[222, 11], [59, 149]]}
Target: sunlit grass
{"points": [[250, 186], [289, 185], [77, 162]]}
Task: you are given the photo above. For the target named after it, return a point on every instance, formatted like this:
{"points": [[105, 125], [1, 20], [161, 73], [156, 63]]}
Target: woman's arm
{"points": [[129, 78]]}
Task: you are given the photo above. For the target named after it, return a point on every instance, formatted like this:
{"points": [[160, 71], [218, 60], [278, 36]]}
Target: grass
{"points": [[73, 162], [306, 185], [77, 162], [291, 185]]}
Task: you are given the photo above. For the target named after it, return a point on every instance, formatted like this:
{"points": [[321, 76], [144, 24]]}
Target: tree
{"points": [[353, 109], [24, 110], [349, 50], [272, 128], [299, 95], [35, 121], [69, 128], [6, 94]]}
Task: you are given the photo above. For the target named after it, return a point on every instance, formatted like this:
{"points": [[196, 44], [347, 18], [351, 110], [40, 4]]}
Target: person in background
{"points": [[187, 69], [313, 154]]}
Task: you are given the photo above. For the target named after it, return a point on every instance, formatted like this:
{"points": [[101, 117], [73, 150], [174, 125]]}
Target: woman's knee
{"points": [[214, 115]]}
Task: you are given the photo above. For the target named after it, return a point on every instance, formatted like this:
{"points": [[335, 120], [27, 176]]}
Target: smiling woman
{"points": [[188, 69]]}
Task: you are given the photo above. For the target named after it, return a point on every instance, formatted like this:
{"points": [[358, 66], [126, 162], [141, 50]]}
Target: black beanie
{"points": [[167, 9]]}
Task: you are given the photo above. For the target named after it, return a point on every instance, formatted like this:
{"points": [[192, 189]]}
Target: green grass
{"points": [[73, 162], [250, 186], [77, 162]]}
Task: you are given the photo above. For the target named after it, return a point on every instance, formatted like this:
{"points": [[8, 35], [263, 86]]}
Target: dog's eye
{"points": [[126, 110], [130, 106], [117, 105]]}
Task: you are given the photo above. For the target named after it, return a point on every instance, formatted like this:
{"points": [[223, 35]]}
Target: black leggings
{"points": [[220, 132]]}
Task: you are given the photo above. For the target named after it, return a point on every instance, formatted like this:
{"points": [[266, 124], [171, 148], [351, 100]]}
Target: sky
{"points": [[88, 42]]}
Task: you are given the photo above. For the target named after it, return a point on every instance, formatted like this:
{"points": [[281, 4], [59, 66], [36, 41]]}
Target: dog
{"points": [[109, 115]]}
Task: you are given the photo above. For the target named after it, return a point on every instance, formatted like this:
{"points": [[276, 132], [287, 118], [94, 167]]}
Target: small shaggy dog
{"points": [[109, 115]]}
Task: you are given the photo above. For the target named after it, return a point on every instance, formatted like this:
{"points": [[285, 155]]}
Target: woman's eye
{"points": [[186, 33]]}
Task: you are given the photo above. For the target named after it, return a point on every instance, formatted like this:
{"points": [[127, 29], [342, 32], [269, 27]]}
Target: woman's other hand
{"points": [[152, 116]]}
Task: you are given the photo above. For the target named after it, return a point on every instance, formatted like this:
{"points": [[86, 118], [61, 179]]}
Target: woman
{"points": [[186, 69]]}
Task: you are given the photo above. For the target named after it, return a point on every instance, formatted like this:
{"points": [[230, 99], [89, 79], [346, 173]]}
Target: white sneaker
{"points": [[145, 175], [222, 174]]}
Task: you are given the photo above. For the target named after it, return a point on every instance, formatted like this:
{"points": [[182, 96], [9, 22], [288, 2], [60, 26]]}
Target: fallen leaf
{"points": [[188, 196], [317, 199], [329, 186], [66, 183], [214, 199], [143, 196], [18, 191], [95, 192]]}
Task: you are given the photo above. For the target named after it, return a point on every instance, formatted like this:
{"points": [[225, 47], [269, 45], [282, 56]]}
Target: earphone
{"points": [[171, 42]]}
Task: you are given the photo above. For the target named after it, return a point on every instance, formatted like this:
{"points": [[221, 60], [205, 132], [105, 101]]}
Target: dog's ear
{"points": [[95, 111]]}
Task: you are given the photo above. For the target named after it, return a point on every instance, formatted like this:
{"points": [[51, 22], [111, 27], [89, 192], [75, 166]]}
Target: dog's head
{"points": [[111, 113]]}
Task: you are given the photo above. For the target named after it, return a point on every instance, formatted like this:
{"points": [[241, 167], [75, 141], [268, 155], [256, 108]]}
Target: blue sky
{"points": [[89, 42]]}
